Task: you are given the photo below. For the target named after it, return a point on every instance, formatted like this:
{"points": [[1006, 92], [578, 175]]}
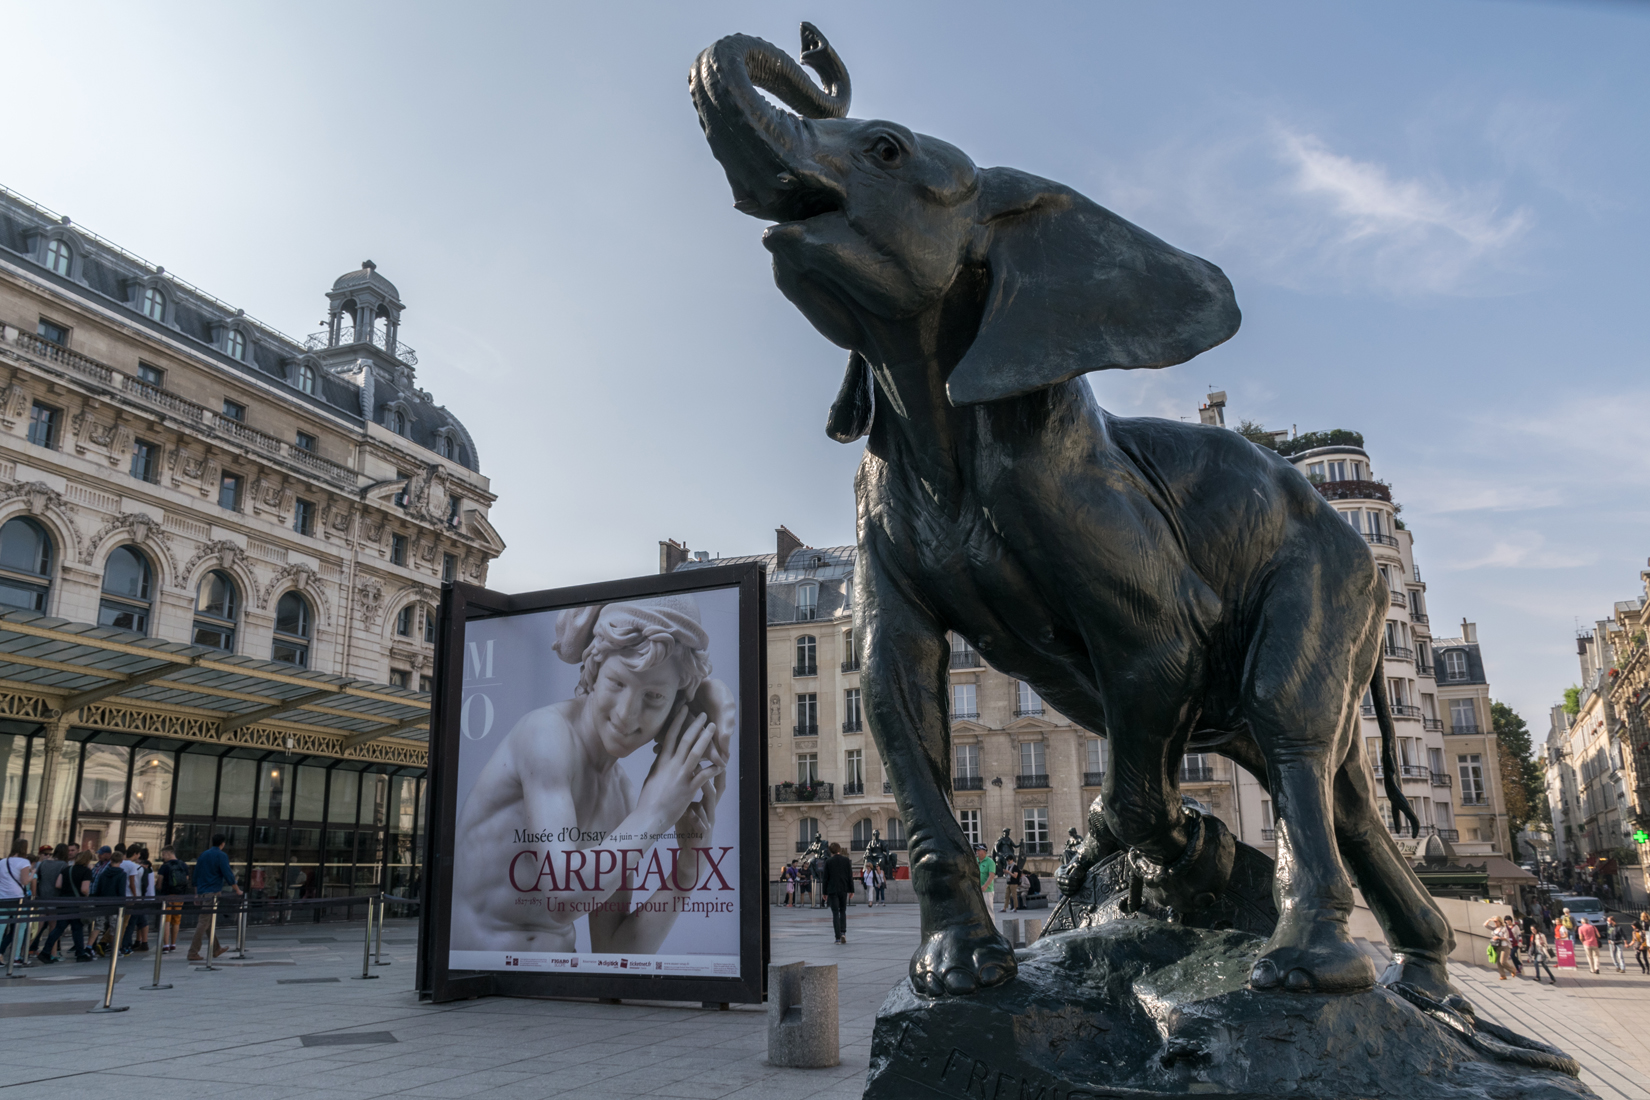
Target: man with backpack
{"points": [[172, 881], [108, 884]]}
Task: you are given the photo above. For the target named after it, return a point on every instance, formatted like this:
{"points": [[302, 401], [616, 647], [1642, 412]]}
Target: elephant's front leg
{"points": [[906, 689]]}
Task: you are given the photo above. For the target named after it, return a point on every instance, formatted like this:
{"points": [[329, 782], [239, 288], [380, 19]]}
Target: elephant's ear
{"points": [[1075, 288]]}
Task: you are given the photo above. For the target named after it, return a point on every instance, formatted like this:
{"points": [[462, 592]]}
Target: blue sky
{"points": [[1433, 214]]}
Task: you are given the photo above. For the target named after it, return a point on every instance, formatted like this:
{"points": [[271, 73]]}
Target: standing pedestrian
{"points": [[881, 883], [988, 870], [868, 876], [133, 870], [817, 867], [172, 882], [1641, 948], [805, 882], [16, 876], [787, 878], [74, 882], [108, 883], [1498, 949], [47, 874], [837, 886], [213, 876], [1011, 896], [1540, 956], [1616, 936], [1588, 935]]}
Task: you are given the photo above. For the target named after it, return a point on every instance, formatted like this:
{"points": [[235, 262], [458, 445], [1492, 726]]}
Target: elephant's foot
{"points": [[1311, 953], [1195, 878], [960, 959], [1429, 974]]}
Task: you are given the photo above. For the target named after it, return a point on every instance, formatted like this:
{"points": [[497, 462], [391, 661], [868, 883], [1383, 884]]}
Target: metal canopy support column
{"points": [[56, 731]]}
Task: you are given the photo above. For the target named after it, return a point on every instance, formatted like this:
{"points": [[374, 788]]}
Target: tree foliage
{"points": [[1255, 432], [1306, 441], [1572, 700], [1522, 785]]}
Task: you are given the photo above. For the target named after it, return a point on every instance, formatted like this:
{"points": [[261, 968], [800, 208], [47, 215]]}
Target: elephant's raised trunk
{"points": [[763, 149]]}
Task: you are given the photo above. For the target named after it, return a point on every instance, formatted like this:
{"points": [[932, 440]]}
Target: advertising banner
{"points": [[1566, 950], [597, 756]]}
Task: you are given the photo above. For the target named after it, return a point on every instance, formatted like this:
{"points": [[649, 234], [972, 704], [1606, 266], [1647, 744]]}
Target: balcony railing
{"points": [[1414, 771], [378, 338], [802, 845], [851, 666], [1024, 782], [805, 670], [1398, 599], [1402, 652], [1451, 835], [887, 788], [964, 715], [964, 658], [968, 782], [853, 725], [1028, 712], [1464, 729], [1405, 710], [1433, 724], [1379, 540], [1422, 668], [171, 402], [1349, 489], [806, 729], [1269, 834], [1094, 779], [1443, 779], [1418, 616], [1474, 798], [857, 845], [800, 792], [849, 790], [1191, 774], [62, 356], [1037, 847], [897, 844]]}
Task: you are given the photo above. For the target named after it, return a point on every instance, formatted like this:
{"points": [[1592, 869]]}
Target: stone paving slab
{"points": [[238, 1032]]}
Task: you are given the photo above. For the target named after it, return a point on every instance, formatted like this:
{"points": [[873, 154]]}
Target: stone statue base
{"points": [[1143, 1008]]}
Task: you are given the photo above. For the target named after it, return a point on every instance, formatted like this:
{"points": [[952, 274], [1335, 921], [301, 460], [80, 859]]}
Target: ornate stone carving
{"points": [[145, 531], [225, 551], [369, 597], [303, 578], [41, 499]]}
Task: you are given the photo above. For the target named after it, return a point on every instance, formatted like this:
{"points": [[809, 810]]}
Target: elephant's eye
{"points": [[886, 149]]}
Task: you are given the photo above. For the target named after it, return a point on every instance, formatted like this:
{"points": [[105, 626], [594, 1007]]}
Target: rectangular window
{"points": [[400, 677], [426, 685], [1355, 517], [968, 761], [807, 715], [43, 424], [303, 517], [1429, 707], [970, 822], [1195, 768], [229, 492], [807, 768], [1337, 471], [1445, 815], [429, 627], [197, 782], [1035, 836], [963, 655], [234, 410], [52, 331], [453, 505], [305, 442], [398, 549], [1266, 814], [1455, 664], [1462, 717], [1315, 470], [853, 771], [1096, 756], [852, 720], [152, 376], [1026, 701], [807, 602], [103, 782], [1033, 758], [1472, 779], [964, 701], [1435, 761], [449, 567], [146, 460]]}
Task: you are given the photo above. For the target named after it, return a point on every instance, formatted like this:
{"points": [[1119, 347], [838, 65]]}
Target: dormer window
{"points": [[807, 602], [306, 378], [398, 422], [234, 342], [444, 445], [154, 304], [58, 257]]}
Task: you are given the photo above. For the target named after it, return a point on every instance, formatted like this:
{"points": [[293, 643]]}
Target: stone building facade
{"points": [[174, 469]]}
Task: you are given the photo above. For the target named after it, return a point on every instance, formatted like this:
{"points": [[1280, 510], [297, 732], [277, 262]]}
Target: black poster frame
{"points": [[463, 603]]}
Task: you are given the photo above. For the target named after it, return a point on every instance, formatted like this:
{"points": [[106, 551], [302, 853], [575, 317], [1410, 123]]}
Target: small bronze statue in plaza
{"points": [[879, 855], [1171, 586], [1006, 851], [1074, 841]]}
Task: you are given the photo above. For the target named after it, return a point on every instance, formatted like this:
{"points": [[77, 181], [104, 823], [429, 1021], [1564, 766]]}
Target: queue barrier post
{"points": [[378, 944], [211, 939], [159, 954], [240, 930], [114, 961], [366, 950]]}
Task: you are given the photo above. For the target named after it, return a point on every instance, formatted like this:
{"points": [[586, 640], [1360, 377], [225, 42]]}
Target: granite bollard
{"points": [[802, 1021]]}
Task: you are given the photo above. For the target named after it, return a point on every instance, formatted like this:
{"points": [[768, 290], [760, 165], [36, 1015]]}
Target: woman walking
{"points": [[1540, 957], [868, 876], [788, 877], [16, 876]]}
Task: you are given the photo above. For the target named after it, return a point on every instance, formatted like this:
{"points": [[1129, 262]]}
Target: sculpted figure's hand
{"points": [[683, 765], [716, 702]]}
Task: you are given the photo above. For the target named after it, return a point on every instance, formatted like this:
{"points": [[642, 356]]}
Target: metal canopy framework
{"points": [[117, 680]]}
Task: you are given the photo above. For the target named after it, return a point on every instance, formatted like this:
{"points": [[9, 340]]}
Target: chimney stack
{"points": [[787, 544], [1469, 632], [671, 554]]}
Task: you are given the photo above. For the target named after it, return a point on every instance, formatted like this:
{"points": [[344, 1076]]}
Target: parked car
{"points": [[1582, 907]]}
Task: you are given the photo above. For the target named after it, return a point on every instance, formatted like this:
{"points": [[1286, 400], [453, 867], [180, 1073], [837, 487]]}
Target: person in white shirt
{"points": [[16, 876]]}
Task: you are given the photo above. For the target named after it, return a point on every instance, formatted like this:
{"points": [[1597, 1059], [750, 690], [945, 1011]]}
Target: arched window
{"points": [[398, 422], [429, 626], [154, 304], [217, 606], [235, 344], [58, 257], [25, 565], [292, 630], [404, 621], [444, 446], [807, 650], [862, 834], [806, 830], [895, 836], [306, 378], [127, 585]]}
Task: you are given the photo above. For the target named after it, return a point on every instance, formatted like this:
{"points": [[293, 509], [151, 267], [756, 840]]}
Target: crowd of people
{"points": [[798, 877], [1538, 939], [66, 871]]}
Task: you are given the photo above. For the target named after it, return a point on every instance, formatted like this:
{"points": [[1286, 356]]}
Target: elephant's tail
{"points": [[1389, 754]]}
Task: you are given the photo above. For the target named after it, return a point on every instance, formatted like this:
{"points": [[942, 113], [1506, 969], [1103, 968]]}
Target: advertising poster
{"points": [[1566, 950], [598, 791]]}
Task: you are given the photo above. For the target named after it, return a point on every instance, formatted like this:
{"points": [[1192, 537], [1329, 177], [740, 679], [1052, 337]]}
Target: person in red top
{"points": [[1588, 935]]}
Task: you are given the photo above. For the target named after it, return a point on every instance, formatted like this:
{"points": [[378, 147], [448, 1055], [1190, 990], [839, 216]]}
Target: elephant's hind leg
{"points": [[906, 686], [1417, 933]]}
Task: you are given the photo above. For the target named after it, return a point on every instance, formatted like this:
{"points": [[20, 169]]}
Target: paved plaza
{"points": [[293, 1023]]}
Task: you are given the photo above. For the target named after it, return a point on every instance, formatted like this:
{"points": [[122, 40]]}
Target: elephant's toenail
{"points": [[991, 974], [1298, 981], [958, 980], [1264, 975]]}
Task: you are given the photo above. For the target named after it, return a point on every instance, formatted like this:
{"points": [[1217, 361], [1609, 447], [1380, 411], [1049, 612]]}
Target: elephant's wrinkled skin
{"points": [[1171, 586]]}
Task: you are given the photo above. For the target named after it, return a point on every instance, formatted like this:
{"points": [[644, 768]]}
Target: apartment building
{"points": [[220, 555]]}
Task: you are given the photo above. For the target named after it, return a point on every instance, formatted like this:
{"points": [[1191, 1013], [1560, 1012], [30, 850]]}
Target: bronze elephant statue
{"points": [[1170, 586]]}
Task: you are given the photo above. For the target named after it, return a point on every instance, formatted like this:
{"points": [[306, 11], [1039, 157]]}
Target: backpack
{"points": [[110, 882], [174, 878]]}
